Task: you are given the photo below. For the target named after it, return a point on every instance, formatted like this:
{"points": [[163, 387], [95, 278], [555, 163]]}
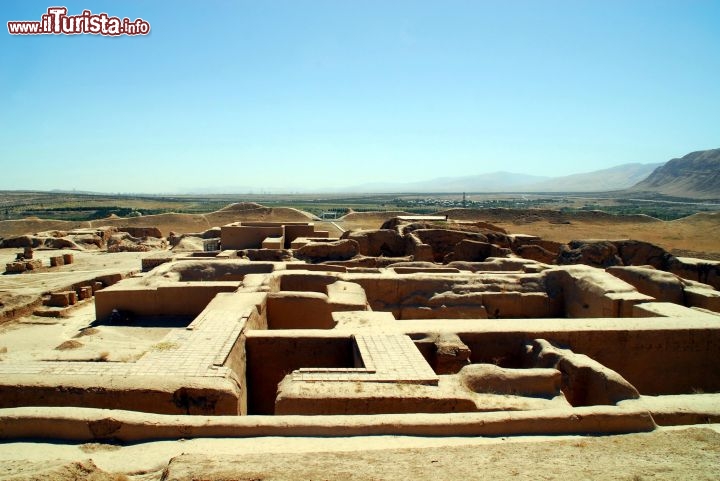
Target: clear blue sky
{"points": [[310, 94]]}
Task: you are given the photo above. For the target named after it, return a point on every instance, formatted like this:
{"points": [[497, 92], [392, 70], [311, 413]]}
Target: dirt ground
{"points": [[72, 336], [20, 294], [694, 236], [75, 338], [86, 265], [666, 454]]}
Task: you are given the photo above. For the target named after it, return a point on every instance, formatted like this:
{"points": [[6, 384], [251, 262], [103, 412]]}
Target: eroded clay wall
{"points": [[418, 296], [157, 394], [592, 293], [299, 310], [247, 237], [292, 232], [665, 359], [237, 358], [273, 354], [177, 299], [306, 281]]}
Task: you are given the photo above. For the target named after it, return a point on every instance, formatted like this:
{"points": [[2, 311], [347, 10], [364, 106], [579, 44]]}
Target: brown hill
{"points": [[368, 220], [701, 219], [529, 216], [249, 211], [16, 227], [694, 176], [165, 222], [242, 207]]}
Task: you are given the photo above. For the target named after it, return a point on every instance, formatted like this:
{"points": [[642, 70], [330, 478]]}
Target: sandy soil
{"points": [[68, 338], [666, 454], [74, 338], [696, 235]]}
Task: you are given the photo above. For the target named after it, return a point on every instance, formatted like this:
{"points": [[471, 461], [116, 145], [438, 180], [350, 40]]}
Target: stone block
{"points": [[663, 286], [451, 354], [663, 309], [33, 264], [705, 298], [85, 292], [152, 261], [700, 270], [59, 299], [15, 267], [273, 243]]}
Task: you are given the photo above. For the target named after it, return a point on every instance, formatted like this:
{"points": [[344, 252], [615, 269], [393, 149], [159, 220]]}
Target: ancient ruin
{"points": [[479, 330]]}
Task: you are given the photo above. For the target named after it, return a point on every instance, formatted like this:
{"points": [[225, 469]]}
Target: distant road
{"points": [[652, 201], [675, 202]]}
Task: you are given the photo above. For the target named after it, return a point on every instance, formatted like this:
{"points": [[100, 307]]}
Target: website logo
{"points": [[57, 22]]}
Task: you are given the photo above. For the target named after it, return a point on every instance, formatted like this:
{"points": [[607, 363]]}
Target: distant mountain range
{"points": [[615, 178], [492, 182], [695, 176]]}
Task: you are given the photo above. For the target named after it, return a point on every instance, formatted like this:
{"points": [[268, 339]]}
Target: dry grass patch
{"points": [[89, 331], [98, 447], [165, 346], [102, 357], [67, 345]]}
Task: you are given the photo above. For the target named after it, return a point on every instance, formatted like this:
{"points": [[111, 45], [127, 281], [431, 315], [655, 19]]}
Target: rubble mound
{"points": [[125, 242], [339, 250], [112, 239], [594, 253], [193, 240], [480, 245]]}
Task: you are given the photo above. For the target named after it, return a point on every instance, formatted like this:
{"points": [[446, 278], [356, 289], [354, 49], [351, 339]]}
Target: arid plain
{"points": [[36, 332]]}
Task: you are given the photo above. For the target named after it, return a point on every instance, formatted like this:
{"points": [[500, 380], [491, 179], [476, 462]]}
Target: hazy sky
{"points": [[311, 94]]}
